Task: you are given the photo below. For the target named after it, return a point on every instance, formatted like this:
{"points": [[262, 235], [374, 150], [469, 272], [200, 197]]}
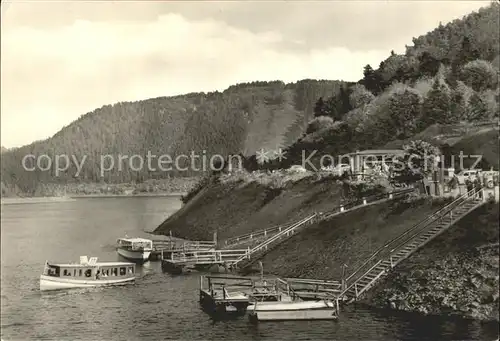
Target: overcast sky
{"points": [[63, 59]]}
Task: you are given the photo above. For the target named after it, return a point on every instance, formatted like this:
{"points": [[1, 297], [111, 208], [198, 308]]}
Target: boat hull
{"points": [[286, 311], [48, 283], [139, 256]]}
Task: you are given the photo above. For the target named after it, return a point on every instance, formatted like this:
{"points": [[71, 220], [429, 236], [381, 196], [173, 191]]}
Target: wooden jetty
{"points": [[233, 294], [164, 248], [177, 261]]}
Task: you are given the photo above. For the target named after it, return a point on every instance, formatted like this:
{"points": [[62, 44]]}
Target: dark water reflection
{"points": [[159, 306]]}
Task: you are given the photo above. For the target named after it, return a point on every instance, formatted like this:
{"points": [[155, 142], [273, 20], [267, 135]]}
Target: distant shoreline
{"points": [[172, 194], [48, 199]]}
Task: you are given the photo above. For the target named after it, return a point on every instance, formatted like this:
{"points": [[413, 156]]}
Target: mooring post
{"points": [[343, 276]]}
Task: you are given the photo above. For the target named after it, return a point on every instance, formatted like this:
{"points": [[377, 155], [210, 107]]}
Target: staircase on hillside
{"points": [[260, 250], [267, 245], [400, 248], [254, 236]]}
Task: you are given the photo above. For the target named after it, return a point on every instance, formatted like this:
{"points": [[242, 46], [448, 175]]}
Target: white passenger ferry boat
{"points": [[86, 274], [136, 249]]}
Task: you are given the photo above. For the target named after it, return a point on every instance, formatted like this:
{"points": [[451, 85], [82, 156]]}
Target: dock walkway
{"points": [[205, 258], [164, 248]]}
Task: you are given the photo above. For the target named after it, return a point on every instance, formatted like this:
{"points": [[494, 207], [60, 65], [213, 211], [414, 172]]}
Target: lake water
{"points": [[158, 306]]}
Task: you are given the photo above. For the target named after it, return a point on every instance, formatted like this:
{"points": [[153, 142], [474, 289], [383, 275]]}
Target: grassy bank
{"points": [[455, 274], [347, 239], [241, 203]]}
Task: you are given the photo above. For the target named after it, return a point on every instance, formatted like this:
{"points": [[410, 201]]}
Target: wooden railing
{"points": [[176, 246], [339, 209], [367, 200], [314, 287], [208, 257], [256, 234], [387, 251], [276, 238]]}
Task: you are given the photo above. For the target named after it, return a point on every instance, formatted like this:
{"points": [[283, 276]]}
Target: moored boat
{"points": [[135, 249], [292, 310], [86, 274]]}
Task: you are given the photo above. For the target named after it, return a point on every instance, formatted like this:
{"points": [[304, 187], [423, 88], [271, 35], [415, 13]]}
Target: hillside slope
{"points": [[242, 119], [345, 239], [240, 206]]}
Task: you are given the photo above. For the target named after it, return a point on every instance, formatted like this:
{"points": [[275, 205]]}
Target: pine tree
{"points": [[429, 65], [437, 105], [457, 106], [371, 80], [477, 109], [319, 108], [404, 107]]}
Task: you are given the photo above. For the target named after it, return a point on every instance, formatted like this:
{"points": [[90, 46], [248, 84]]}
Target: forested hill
{"points": [[242, 119], [448, 78]]}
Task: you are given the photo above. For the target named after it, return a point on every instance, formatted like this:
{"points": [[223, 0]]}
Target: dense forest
{"points": [[240, 120], [448, 76]]}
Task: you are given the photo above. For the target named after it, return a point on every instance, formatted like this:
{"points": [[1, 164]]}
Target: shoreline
{"points": [[48, 199], [171, 194]]}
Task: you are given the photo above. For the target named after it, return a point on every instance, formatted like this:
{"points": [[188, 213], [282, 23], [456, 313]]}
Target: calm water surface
{"points": [[159, 306]]}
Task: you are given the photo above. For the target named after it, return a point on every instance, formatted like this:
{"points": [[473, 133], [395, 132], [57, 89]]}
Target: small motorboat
{"points": [[86, 274], [292, 310], [134, 249]]}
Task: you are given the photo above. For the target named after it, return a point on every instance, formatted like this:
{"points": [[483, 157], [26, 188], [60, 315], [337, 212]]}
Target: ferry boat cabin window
{"points": [[53, 271], [123, 271], [115, 272], [66, 272], [80, 272], [88, 273], [131, 270]]}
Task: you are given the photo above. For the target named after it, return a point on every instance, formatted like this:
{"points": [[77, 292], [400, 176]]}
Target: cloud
{"points": [[52, 76], [80, 56]]}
